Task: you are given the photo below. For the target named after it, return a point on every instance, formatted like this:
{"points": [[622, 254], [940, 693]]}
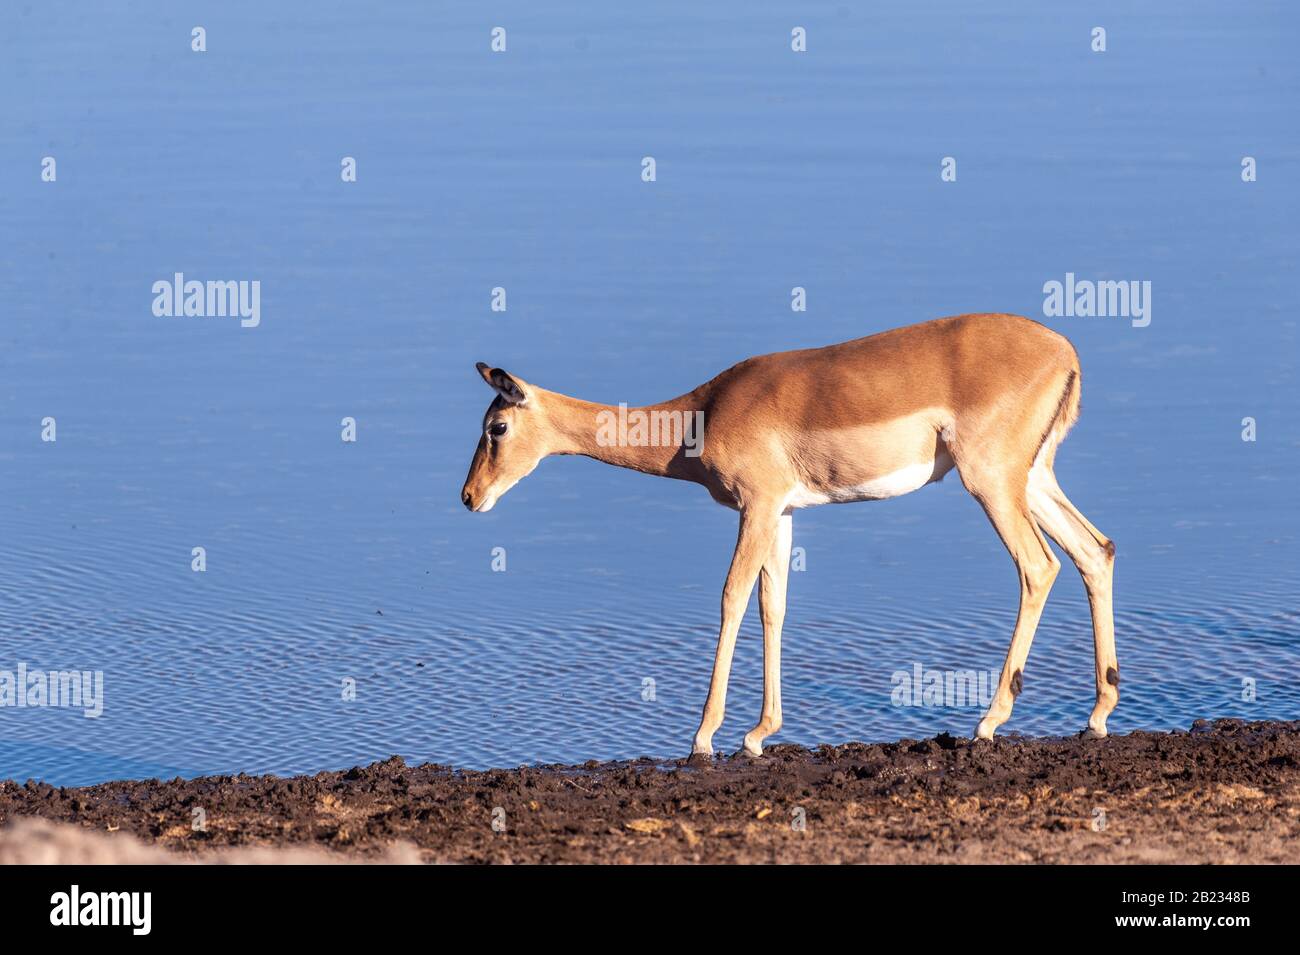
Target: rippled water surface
{"points": [[329, 561]]}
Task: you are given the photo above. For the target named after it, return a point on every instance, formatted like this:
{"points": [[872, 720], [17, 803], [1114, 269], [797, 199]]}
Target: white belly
{"points": [[900, 482]]}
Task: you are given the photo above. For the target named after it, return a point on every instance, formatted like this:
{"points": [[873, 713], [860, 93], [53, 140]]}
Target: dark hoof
{"points": [[1090, 733], [699, 759]]}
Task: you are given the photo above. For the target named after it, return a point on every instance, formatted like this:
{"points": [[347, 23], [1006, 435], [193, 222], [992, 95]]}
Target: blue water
{"points": [[330, 561]]}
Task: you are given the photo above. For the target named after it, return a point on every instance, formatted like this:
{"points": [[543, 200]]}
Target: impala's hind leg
{"points": [[1094, 555], [1007, 507]]}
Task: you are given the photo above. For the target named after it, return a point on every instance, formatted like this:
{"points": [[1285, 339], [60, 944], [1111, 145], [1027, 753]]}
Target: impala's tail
{"points": [[1067, 413], [1063, 418]]}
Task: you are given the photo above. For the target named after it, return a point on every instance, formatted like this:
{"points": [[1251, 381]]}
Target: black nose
{"points": [[467, 500]]}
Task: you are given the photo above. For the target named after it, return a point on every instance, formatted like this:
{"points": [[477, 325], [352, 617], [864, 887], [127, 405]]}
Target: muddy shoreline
{"points": [[1226, 791]]}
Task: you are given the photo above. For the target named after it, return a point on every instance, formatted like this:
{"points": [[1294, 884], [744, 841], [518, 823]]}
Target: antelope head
{"points": [[515, 438]]}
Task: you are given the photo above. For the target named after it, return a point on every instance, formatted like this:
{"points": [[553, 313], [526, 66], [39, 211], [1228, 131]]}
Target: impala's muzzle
{"points": [[482, 486], [478, 503]]}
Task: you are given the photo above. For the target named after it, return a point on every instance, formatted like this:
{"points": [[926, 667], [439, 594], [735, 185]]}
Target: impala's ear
{"points": [[507, 387]]}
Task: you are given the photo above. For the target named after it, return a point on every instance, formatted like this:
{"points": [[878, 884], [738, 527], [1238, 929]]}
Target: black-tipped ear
{"points": [[507, 387]]}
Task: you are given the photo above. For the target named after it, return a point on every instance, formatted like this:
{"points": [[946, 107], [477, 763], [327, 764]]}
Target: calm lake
{"points": [[350, 609]]}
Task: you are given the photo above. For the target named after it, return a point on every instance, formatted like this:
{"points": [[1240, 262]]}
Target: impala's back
{"points": [[884, 415]]}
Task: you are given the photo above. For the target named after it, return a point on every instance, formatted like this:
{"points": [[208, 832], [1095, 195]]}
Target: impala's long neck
{"points": [[662, 439]]}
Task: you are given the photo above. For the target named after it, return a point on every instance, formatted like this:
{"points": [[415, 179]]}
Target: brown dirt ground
{"points": [[1226, 791]]}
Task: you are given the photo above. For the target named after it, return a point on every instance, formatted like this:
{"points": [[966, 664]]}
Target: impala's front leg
{"points": [[771, 604], [758, 526]]}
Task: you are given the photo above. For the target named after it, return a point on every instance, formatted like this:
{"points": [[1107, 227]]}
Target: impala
{"points": [[873, 418]]}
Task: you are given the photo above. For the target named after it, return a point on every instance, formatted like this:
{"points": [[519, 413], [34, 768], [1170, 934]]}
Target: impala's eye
{"points": [[498, 429]]}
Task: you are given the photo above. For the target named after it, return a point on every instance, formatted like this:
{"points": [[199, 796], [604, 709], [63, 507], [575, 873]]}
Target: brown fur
{"points": [[992, 395]]}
